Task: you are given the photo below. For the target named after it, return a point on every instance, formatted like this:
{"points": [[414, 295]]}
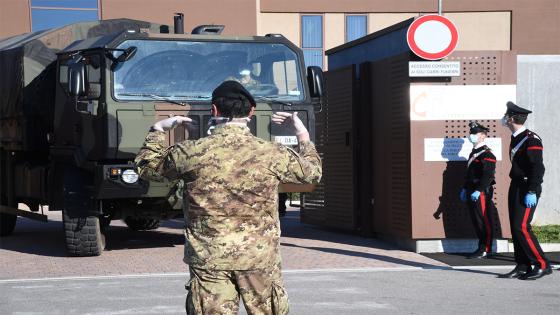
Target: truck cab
{"points": [[110, 89]]}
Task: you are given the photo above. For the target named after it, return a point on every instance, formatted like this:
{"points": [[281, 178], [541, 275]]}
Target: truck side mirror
{"points": [[77, 78], [315, 80]]}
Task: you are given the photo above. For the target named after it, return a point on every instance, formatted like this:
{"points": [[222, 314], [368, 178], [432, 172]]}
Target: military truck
{"points": [[76, 103]]}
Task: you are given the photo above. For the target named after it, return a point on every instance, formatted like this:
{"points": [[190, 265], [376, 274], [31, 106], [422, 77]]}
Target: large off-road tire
{"points": [[84, 235], [141, 224], [80, 215], [7, 223]]}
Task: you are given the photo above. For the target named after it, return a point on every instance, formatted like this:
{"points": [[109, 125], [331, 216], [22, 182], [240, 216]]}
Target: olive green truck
{"points": [[76, 103]]}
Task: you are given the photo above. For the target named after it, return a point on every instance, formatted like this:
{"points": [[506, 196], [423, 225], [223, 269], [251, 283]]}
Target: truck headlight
{"points": [[129, 176]]}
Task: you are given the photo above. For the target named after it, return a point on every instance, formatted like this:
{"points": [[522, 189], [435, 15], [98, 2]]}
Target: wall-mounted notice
{"points": [[459, 102], [434, 69], [456, 149]]}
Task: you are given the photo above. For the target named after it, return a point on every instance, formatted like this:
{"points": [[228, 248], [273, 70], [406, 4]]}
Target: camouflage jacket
{"points": [[231, 192]]}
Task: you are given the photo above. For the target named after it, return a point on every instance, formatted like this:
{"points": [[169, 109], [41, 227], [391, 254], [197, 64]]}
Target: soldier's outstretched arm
{"points": [[303, 166], [156, 161]]}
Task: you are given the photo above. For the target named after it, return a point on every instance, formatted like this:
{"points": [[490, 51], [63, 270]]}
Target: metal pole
{"points": [[439, 6]]}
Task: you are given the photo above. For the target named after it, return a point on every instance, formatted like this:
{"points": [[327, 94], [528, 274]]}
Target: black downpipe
{"points": [[179, 23]]}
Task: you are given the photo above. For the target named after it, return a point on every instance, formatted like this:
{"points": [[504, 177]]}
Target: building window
{"points": [[312, 39], [356, 27], [47, 14]]}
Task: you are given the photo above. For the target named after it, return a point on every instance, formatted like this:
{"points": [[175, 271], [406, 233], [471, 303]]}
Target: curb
{"points": [[546, 247]]}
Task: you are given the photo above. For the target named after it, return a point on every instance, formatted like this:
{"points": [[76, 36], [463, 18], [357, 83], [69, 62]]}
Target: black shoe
{"points": [[517, 272], [477, 255], [536, 273]]}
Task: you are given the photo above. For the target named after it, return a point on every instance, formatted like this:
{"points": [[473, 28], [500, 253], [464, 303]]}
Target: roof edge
{"points": [[371, 36]]}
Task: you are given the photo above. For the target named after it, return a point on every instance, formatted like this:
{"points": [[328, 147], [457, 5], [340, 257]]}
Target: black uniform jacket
{"points": [[481, 170], [527, 161]]}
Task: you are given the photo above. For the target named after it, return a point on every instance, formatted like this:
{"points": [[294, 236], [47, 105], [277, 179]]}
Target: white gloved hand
{"points": [[281, 118], [287, 118], [170, 123]]}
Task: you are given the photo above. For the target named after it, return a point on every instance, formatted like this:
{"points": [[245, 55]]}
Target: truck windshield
{"points": [[191, 70]]}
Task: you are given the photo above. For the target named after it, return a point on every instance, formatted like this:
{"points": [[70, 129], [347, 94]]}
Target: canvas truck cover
{"points": [[28, 75]]}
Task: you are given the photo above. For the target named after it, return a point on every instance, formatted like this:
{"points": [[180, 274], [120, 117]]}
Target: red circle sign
{"points": [[432, 37]]}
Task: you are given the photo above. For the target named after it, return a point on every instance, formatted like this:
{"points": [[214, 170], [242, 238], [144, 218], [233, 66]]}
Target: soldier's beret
{"points": [[476, 128], [233, 89], [513, 110]]}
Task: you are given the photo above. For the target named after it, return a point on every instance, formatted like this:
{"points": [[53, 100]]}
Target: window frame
{"points": [[346, 25], [322, 48]]}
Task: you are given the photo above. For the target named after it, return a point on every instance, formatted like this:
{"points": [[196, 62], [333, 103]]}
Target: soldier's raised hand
{"points": [[170, 123], [281, 118]]}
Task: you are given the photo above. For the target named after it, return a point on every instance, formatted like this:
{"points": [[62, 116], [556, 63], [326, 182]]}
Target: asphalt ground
{"points": [[326, 272], [407, 290], [500, 259]]}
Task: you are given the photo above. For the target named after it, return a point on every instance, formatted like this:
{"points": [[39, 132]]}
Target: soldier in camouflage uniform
{"points": [[230, 204]]}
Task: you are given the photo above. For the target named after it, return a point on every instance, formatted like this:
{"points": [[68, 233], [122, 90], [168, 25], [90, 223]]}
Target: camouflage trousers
{"points": [[218, 291]]}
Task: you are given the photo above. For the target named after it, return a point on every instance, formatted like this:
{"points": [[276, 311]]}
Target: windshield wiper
{"points": [[198, 97], [155, 97], [271, 100]]}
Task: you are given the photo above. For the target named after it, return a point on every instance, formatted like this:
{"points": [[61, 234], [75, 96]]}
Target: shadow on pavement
{"points": [[38, 238], [364, 255], [178, 223], [47, 239], [292, 227], [123, 238], [500, 259]]}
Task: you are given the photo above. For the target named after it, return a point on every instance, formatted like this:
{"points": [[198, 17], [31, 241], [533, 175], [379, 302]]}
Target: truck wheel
{"points": [[7, 223], [141, 224], [84, 235]]}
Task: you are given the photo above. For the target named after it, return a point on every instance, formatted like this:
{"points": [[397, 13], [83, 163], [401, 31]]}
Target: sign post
{"points": [[432, 37]]}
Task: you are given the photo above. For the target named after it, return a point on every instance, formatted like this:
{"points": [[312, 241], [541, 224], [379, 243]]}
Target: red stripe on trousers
{"points": [[529, 240], [486, 223]]}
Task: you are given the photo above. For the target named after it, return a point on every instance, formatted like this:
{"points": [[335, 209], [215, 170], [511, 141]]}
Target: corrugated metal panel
{"points": [[313, 210], [333, 202], [391, 146], [364, 141], [339, 159]]}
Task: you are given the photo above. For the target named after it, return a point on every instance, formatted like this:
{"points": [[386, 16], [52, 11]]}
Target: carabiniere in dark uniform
{"points": [[527, 171], [478, 189]]}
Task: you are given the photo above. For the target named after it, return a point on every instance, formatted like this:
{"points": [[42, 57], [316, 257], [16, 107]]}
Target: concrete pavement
{"points": [[406, 290], [36, 250]]}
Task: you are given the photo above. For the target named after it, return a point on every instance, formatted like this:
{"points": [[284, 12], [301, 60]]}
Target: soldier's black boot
{"points": [[517, 272], [536, 273]]}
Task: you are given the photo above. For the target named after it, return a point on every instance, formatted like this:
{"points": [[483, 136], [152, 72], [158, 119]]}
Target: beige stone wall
{"points": [[379, 21], [334, 30], [287, 24], [483, 30], [238, 16], [14, 18], [477, 30]]}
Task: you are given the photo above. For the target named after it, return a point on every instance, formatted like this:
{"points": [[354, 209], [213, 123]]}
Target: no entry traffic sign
{"points": [[432, 37]]}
